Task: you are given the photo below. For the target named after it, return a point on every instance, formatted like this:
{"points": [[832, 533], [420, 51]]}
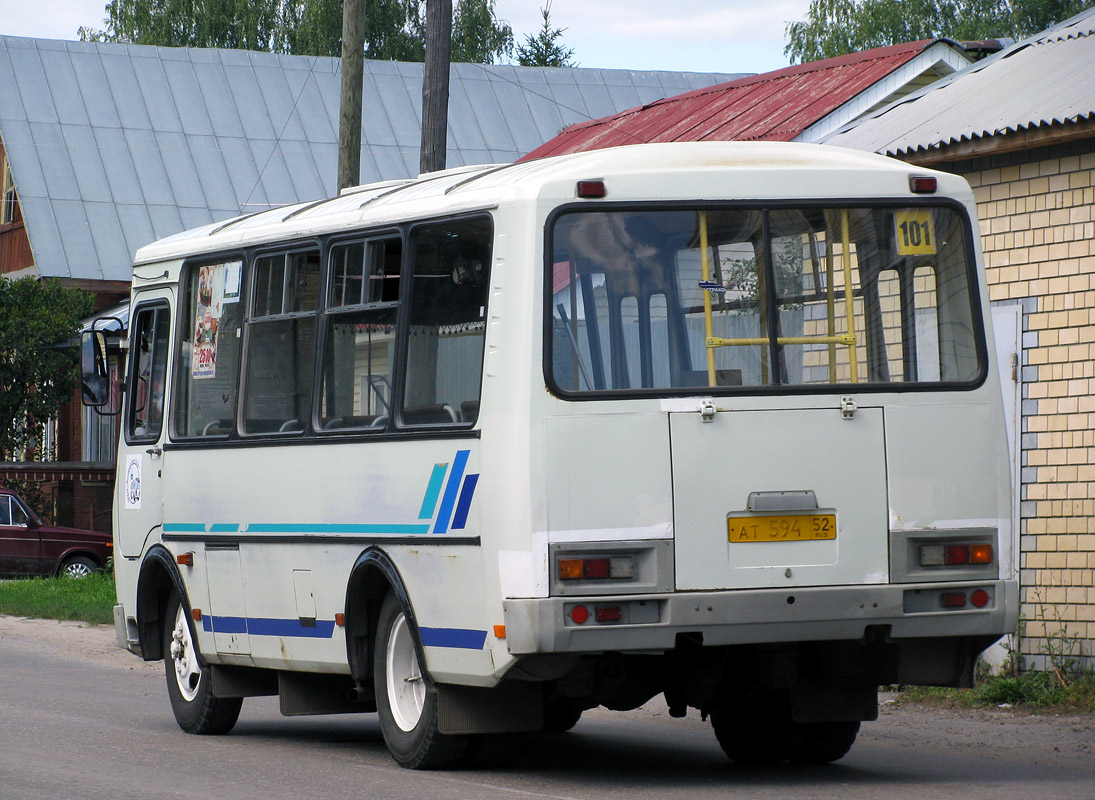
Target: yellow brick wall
{"points": [[1037, 213]]}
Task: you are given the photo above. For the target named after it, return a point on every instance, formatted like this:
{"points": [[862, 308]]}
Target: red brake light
{"points": [[957, 554], [597, 567], [591, 189], [579, 614], [980, 598], [608, 614], [954, 599], [922, 184]]}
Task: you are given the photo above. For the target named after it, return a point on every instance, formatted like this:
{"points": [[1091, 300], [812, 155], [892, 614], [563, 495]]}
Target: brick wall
{"points": [[1037, 212]]}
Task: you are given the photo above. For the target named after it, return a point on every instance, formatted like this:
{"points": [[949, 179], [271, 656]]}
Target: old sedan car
{"points": [[30, 547]]}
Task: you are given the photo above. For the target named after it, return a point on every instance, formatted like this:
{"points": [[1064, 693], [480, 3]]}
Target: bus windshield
{"points": [[683, 298]]}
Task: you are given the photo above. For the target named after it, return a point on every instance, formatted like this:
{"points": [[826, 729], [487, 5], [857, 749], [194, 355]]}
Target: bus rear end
{"points": [[774, 449]]}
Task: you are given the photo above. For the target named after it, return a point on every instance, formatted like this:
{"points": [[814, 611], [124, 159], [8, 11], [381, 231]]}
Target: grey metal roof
{"points": [[114, 146], [1048, 79]]}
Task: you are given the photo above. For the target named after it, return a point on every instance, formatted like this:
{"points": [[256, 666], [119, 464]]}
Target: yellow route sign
{"points": [[914, 231]]}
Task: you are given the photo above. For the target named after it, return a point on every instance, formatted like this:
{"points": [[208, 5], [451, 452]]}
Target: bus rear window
{"points": [[727, 298]]}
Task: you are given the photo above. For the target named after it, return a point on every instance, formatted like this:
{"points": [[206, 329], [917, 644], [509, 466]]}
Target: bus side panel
{"points": [[297, 542]]}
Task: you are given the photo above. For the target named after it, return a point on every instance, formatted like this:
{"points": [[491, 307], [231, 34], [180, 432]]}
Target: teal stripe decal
{"points": [[433, 491], [184, 527], [313, 527]]}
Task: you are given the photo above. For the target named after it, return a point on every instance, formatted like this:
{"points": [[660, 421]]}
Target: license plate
{"points": [[782, 528]]}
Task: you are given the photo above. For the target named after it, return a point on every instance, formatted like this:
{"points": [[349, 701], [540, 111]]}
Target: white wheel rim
{"points": [[188, 671], [406, 688], [77, 570]]}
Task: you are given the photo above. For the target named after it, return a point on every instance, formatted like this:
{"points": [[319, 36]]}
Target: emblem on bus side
{"points": [[133, 482]]}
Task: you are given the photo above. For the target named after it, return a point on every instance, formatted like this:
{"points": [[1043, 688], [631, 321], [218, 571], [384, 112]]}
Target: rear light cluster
{"points": [[978, 598], [580, 614], [597, 568], [954, 555]]}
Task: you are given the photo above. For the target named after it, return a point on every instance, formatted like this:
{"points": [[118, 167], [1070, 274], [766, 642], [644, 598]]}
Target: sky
{"points": [[727, 36]]}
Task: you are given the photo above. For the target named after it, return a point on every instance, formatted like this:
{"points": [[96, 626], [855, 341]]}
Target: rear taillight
{"points": [[596, 568], [954, 555]]}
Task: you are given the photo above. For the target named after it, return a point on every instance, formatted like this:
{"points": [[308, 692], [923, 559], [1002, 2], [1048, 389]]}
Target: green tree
{"points": [[836, 27], [544, 49], [36, 378], [394, 29]]}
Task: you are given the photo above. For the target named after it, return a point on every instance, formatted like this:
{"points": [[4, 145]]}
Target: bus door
{"points": [[771, 498], [141, 456]]}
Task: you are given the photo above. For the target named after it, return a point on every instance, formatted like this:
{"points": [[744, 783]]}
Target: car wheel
{"points": [[188, 682], [760, 732], [406, 700], [825, 742], [78, 567], [561, 715]]}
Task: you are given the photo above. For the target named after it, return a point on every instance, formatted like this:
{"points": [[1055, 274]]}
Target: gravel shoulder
{"points": [[1063, 740]]}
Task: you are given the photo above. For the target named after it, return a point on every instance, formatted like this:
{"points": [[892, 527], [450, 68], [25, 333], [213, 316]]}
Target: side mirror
{"points": [[94, 374]]}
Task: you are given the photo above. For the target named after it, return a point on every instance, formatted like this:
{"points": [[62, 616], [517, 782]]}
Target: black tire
{"points": [[78, 567], [406, 700], [561, 715], [188, 682], [761, 732], [825, 742]]}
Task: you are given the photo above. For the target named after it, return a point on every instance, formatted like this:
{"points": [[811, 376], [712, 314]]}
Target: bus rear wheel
{"points": [[405, 698], [188, 682], [825, 742], [761, 732]]}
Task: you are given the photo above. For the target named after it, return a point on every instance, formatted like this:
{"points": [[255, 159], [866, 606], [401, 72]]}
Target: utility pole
{"points": [[349, 118], [435, 85]]}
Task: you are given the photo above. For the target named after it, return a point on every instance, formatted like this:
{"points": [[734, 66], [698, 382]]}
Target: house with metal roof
{"points": [[105, 148], [109, 147], [800, 103], [1020, 127]]}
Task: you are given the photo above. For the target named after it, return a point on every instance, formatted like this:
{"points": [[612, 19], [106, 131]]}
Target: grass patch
{"points": [[88, 599], [1031, 691]]}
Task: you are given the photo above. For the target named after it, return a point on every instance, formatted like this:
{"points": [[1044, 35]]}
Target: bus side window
{"points": [[447, 313], [360, 335], [209, 351], [148, 371], [281, 340]]}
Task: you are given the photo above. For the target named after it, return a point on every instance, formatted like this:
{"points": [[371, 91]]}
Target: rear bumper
{"points": [[653, 621]]}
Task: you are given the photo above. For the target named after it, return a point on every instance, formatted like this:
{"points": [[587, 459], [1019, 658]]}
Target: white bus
{"points": [[486, 449]]}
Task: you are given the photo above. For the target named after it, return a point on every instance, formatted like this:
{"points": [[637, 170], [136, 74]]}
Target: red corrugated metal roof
{"points": [[776, 106]]}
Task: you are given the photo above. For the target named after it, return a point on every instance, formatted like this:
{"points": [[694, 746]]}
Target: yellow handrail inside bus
{"points": [[830, 308], [849, 312], [708, 323]]}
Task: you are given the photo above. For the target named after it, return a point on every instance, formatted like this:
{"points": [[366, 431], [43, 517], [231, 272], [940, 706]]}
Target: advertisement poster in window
{"points": [[218, 284]]}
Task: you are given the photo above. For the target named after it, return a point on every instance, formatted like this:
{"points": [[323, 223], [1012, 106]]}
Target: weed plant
{"points": [[88, 599]]}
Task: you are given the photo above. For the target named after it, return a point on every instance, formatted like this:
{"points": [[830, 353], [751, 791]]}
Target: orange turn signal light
{"points": [[185, 559], [980, 553], [571, 569]]}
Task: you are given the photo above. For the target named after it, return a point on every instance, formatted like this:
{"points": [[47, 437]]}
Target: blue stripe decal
{"points": [[260, 626], [464, 505], [224, 527], [453, 637], [335, 527], [433, 489], [265, 626], [184, 527], [225, 624], [451, 488]]}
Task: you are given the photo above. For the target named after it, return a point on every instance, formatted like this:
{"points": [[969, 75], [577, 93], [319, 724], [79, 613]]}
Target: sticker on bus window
{"points": [[914, 232]]}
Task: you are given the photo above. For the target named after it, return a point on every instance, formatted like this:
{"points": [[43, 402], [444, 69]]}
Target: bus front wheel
{"points": [[405, 699], [188, 682]]}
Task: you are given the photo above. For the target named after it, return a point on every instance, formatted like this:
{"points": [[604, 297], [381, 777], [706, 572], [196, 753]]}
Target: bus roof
{"points": [[469, 188]]}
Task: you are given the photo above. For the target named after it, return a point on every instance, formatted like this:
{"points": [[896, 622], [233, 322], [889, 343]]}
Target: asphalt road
{"points": [[73, 726]]}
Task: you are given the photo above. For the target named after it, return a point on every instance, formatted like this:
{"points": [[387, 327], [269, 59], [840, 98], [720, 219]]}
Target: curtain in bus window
{"points": [[447, 322], [360, 340], [760, 297], [281, 343], [209, 350]]}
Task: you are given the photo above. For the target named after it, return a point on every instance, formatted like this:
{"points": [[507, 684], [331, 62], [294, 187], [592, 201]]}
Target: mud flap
{"points": [[510, 707]]}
